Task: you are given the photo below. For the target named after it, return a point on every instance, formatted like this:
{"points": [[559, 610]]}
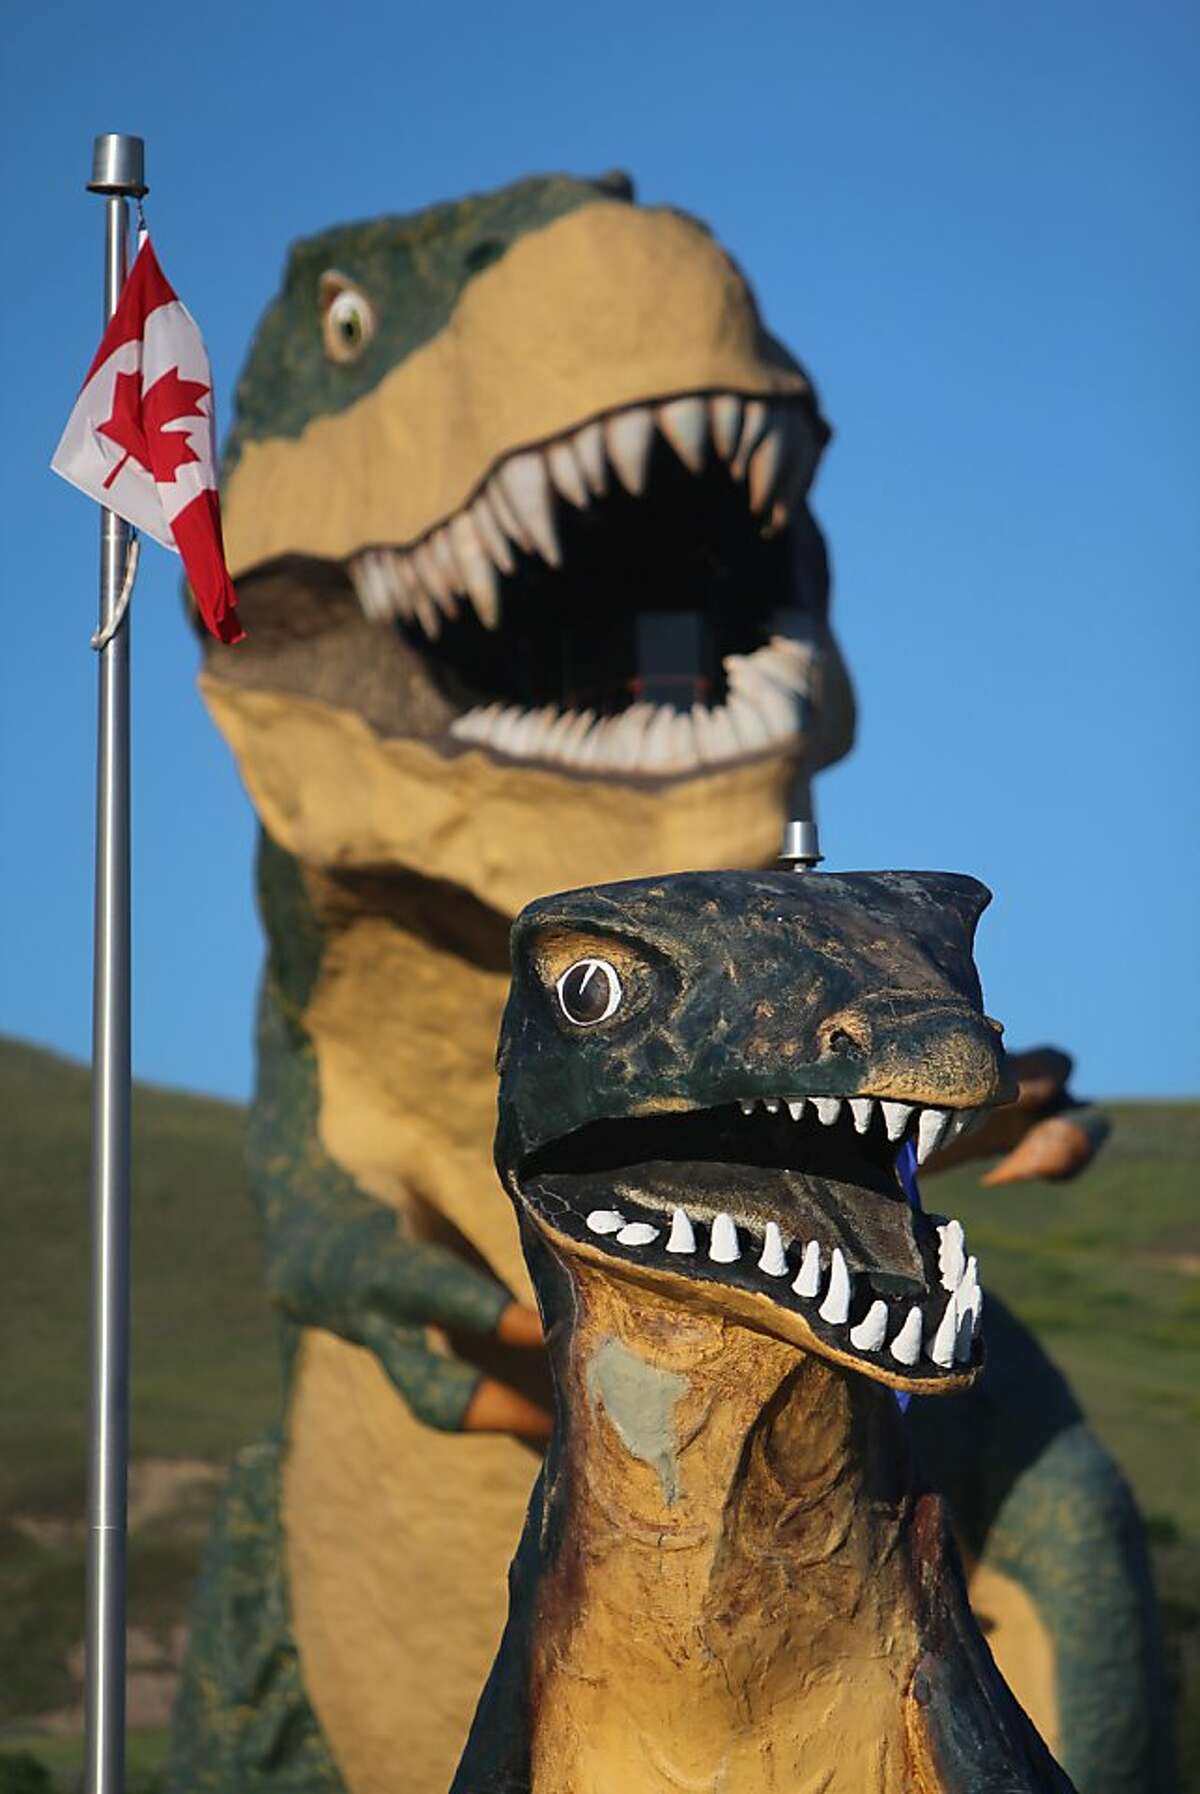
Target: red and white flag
{"points": [[142, 436]]}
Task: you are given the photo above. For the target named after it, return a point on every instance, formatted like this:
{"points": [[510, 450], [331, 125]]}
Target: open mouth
{"points": [[797, 1199], [636, 596]]}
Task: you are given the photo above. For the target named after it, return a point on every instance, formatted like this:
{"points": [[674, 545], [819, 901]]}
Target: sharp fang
{"points": [[588, 444], [746, 1105], [795, 1108], [895, 1118], [930, 1129], [684, 423], [773, 1262], [637, 1233], [628, 437], [606, 1220], [862, 1108], [868, 1336], [836, 1307], [952, 1257], [754, 422], [765, 465], [828, 1108], [808, 1278], [431, 580], [506, 517], [491, 534], [567, 474], [942, 1349], [372, 587], [725, 409], [683, 1236], [526, 485], [723, 1246], [906, 1347], [479, 574], [446, 562]]}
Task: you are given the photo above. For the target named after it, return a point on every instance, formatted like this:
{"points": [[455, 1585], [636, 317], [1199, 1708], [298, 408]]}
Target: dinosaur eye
{"points": [[347, 320], [589, 992]]}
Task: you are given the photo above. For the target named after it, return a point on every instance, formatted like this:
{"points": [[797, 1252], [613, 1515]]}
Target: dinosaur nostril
{"points": [[842, 1042]]}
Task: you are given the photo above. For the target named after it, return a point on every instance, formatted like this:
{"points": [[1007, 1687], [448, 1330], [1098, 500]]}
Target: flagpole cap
{"points": [[119, 165], [801, 850]]}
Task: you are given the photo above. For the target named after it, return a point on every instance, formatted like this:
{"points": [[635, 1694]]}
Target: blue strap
{"points": [[906, 1171]]}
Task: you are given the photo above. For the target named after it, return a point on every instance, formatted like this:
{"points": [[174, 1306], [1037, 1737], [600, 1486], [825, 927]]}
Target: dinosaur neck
{"points": [[733, 1579]]}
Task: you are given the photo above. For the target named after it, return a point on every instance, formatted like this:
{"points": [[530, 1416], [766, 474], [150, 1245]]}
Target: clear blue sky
{"points": [[977, 226]]}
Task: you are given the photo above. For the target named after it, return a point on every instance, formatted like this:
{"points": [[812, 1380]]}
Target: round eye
{"points": [[589, 992], [348, 323]]}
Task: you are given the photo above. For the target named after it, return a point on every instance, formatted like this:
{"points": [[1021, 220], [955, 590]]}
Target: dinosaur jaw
{"points": [[642, 596], [788, 1215]]}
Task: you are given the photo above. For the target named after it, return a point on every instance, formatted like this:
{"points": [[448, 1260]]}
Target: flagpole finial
{"points": [[118, 165]]}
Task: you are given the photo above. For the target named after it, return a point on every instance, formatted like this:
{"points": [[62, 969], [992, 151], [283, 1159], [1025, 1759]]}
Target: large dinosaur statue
{"points": [[514, 500], [730, 1576]]}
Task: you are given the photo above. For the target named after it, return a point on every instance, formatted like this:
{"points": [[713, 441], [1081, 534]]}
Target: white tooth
{"points": [[371, 586], [475, 725], [751, 731], [895, 1118], [431, 580], [808, 1277], [573, 737], [828, 1108], [862, 1108], [684, 423], [605, 1220], [765, 464], [771, 1104], [410, 586], [446, 562], [702, 729], [558, 737], [725, 409], [567, 474], [506, 517], [952, 1258], [868, 1336], [428, 614], [747, 1108], [624, 737], [588, 444], [754, 422], [541, 722], [637, 1233], [722, 736], [906, 1347], [796, 1108], [506, 730], [836, 1306], [942, 1349], [683, 1237], [964, 1336], [684, 753], [930, 1129], [628, 436], [723, 1246], [491, 534], [526, 486], [777, 707], [655, 752], [773, 1262], [479, 574]]}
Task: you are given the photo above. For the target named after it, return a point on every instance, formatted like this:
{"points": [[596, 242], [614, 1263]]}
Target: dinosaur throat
{"points": [[787, 1212], [637, 596]]}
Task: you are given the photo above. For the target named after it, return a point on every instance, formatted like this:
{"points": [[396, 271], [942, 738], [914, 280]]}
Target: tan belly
{"points": [[399, 1541], [1021, 1646]]}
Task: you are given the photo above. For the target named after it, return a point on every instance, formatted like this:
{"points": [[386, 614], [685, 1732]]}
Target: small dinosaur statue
{"points": [[731, 1575], [515, 500]]}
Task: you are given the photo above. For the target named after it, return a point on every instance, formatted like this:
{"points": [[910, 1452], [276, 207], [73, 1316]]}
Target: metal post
{"points": [[117, 172]]}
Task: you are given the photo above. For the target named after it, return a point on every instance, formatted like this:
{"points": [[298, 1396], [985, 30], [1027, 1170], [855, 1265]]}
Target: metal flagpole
{"points": [[117, 173]]}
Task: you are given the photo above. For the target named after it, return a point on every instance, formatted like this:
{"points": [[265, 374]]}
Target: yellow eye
{"points": [[347, 320]]}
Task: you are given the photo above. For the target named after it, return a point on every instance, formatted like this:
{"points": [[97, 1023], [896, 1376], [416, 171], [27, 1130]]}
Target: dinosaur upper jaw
{"points": [[786, 1213]]}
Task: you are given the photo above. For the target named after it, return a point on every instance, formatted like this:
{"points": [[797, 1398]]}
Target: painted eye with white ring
{"points": [[589, 992], [347, 318]]}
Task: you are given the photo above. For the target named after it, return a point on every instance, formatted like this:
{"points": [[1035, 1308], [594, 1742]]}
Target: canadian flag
{"points": [[142, 436]]}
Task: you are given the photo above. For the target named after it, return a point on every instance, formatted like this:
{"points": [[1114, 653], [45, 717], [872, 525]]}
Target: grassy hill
{"points": [[1107, 1270]]}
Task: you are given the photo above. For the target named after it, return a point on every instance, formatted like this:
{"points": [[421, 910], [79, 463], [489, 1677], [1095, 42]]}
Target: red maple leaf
{"points": [[138, 423]]}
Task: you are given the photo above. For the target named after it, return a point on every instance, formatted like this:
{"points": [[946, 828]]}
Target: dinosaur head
{"points": [[515, 503], [705, 1083]]}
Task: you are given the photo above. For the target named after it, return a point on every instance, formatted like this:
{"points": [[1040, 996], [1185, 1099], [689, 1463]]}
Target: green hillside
{"points": [[1107, 1270]]}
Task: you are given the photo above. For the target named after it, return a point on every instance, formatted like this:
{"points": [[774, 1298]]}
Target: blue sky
{"points": [[977, 227]]}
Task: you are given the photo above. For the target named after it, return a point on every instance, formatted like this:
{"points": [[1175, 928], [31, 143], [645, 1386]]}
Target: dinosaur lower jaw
{"points": [[639, 596], [806, 1233]]}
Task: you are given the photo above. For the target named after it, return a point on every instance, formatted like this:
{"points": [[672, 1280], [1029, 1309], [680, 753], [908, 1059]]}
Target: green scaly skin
{"points": [[337, 1258]]}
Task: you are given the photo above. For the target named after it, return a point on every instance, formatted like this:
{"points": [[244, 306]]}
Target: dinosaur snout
{"points": [[940, 1054]]}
